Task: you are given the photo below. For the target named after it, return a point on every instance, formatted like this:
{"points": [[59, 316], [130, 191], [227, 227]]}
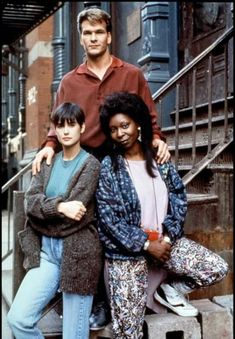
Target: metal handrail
{"points": [[174, 83], [186, 69], [16, 177]]}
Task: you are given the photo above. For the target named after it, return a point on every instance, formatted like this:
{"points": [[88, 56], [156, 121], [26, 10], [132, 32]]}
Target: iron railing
{"points": [[9, 187], [174, 84]]}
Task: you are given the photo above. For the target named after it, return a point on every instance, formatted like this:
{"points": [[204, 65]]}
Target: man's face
{"points": [[94, 38]]}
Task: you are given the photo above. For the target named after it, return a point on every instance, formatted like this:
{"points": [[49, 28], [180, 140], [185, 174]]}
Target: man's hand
{"points": [[72, 209], [46, 152], [163, 154]]}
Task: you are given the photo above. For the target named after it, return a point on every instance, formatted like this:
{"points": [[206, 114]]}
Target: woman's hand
{"points": [[72, 209], [159, 249]]}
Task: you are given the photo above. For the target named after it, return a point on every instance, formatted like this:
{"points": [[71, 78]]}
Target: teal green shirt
{"points": [[62, 173]]}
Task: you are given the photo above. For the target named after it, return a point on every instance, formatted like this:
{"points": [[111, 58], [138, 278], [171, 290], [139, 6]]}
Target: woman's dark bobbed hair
{"points": [[68, 111]]}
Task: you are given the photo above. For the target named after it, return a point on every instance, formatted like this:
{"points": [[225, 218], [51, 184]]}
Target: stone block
{"points": [[224, 301], [216, 321], [166, 326]]}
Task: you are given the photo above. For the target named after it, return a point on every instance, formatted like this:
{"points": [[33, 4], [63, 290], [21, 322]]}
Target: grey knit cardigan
{"points": [[82, 251]]}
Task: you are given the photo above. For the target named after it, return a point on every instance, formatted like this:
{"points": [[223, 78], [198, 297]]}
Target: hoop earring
{"points": [[139, 136]]}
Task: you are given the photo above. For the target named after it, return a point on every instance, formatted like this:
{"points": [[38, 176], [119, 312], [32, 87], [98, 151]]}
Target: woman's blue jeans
{"points": [[38, 287]]}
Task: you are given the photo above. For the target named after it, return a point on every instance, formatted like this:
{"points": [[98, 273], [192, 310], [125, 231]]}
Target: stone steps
{"points": [[214, 321]]}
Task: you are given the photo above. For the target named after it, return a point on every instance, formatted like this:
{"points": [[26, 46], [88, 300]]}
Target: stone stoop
{"points": [[216, 321], [225, 301], [213, 322], [164, 326]]}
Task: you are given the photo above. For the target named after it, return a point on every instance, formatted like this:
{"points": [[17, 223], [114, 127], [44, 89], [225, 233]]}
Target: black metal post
{"points": [[18, 225]]}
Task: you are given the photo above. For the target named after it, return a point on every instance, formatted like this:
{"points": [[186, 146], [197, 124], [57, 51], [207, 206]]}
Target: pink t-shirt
{"points": [[152, 193]]}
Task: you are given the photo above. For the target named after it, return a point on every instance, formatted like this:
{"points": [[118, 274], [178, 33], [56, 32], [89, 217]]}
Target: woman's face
{"points": [[69, 133], [124, 130]]}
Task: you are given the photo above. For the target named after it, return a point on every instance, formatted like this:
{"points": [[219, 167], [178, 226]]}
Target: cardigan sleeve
{"points": [[37, 204], [82, 188], [111, 216]]}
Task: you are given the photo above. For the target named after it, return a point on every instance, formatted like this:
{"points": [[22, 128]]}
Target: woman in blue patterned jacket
{"points": [[141, 209]]}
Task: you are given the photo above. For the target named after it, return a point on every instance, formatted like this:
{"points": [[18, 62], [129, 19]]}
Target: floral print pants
{"points": [[190, 263], [195, 265], [128, 296]]}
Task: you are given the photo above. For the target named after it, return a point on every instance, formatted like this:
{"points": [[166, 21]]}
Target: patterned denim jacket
{"points": [[118, 209]]}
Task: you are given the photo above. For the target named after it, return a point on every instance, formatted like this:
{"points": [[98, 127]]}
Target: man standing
{"points": [[100, 75], [88, 84]]}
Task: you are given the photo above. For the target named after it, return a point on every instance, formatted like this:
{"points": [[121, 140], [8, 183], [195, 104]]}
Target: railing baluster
{"points": [[226, 92], [227, 138], [178, 76], [209, 104], [8, 219], [194, 118], [177, 126], [160, 112]]}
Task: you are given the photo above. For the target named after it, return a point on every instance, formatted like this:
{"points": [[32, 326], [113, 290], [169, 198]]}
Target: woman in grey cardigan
{"points": [[60, 241]]}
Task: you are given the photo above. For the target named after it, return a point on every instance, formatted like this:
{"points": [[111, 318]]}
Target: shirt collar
{"points": [[116, 63]]}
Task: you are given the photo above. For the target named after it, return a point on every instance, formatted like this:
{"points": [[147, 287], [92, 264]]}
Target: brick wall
{"points": [[38, 84]]}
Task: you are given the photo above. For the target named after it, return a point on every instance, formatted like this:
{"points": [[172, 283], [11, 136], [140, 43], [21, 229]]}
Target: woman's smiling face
{"points": [[123, 130]]}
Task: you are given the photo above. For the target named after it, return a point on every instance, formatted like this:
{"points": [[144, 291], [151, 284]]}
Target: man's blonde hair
{"points": [[94, 15]]}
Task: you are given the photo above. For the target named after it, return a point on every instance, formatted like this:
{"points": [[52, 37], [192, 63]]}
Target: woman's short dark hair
{"points": [[68, 111]]}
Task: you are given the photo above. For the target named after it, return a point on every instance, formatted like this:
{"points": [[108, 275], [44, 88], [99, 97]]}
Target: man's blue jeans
{"points": [[38, 287]]}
